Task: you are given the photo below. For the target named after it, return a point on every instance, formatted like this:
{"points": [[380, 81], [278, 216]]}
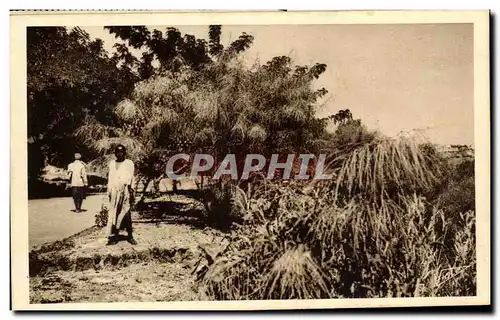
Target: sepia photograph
{"points": [[211, 158]]}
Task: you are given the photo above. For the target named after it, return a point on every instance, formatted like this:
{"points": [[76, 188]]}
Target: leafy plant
{"points": [[101, 218]]}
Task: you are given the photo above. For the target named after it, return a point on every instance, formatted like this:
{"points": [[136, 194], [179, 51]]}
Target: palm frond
{"points": [[134, 148], [240, 127], [99, 165], [294, 112], [257, 133], [206, 107], [93, 130], [205, 135], [128, 110]]}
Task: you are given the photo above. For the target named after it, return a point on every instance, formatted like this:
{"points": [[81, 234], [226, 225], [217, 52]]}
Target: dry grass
{"points": [[354, 237], [387, 166], [295, 275]]}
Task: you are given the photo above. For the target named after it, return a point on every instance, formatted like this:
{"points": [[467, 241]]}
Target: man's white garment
{"points": [[78, 173], [120, 173], [120, 177]]}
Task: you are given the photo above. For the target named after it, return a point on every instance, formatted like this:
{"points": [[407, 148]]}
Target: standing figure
{"points": [[120, 196], [78, 178]]}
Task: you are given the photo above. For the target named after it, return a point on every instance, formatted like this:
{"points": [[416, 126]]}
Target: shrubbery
{"points": [[351, 238], [101, 218]]}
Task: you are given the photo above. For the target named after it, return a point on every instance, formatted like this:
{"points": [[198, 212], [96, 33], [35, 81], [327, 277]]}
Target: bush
{"points": [[219, 202], [101, 218], [351, 238], [459, 196], [311, 249]]}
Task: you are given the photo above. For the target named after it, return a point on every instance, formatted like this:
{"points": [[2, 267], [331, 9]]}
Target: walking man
{"points": [[121, 196], [78, 178]]}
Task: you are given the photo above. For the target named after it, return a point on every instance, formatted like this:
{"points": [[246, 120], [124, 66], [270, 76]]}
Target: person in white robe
{"points": [[121, 191]]}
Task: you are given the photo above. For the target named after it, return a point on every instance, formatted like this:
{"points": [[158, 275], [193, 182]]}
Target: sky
{"points": [[395, 78]]}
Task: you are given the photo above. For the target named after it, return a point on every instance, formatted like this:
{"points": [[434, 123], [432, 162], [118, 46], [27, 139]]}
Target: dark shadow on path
{"points": [[181, 207]]}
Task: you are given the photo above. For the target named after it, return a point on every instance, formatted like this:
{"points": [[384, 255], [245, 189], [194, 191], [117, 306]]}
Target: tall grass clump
{"points": [[387, 168], [370, 232]]}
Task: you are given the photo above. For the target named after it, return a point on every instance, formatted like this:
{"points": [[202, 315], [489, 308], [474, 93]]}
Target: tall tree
{"points": [[172, 51], [69, 77], [218, 107]]}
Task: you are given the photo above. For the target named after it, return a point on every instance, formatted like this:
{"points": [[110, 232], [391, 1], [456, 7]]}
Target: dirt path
{"points": [[163, 266], [52, 219]]}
